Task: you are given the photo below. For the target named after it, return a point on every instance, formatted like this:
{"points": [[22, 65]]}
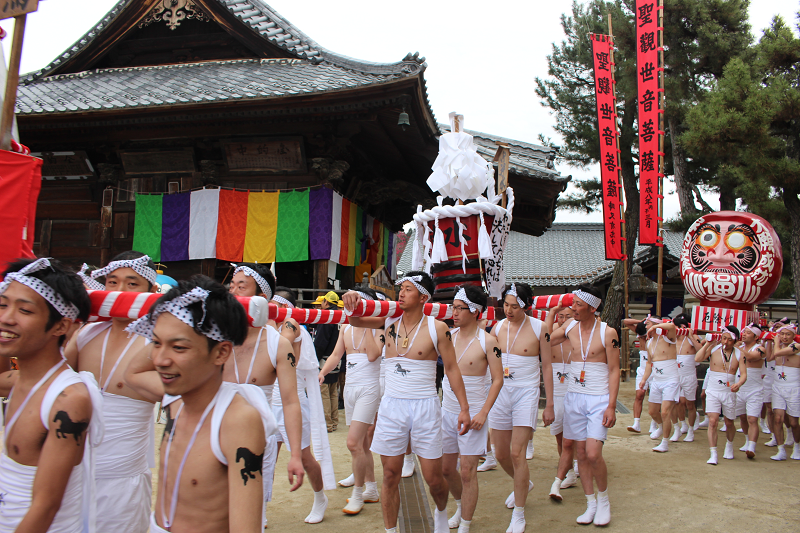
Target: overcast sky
{"points": [[482, 58]]}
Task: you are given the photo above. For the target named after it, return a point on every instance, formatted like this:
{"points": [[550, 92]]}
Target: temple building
{"points": [[170, 98]]}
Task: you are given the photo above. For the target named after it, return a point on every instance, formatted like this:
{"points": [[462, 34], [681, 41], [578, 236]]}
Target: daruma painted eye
{"points": [[708, 238], [737, 240]]}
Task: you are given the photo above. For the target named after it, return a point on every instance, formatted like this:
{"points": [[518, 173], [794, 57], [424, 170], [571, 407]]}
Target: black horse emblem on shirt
{"points": [[722, 382], [510, 375], [351, 365], [400, 370], [252, 463], [68, 427], [560, 376], [660, 371], [579, 381]]}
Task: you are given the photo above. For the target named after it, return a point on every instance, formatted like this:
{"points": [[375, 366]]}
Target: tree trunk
{"points": [[684, 190], [727, 199], [792, 203]]}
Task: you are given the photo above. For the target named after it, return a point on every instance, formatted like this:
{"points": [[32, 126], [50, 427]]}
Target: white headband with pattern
{"points": [[381, 296], [513, 292], [138, 265], [653, 319], [178, 307], [790, 327], [462, 295], [729, 332], [64, 308], [415, 281], [88, 281], [259, 279], [282, 300], [754, 329], [590, 299]]}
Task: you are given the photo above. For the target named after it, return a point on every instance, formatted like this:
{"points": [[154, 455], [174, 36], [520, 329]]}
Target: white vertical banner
{"points": [[203, 215], [336, 227]]}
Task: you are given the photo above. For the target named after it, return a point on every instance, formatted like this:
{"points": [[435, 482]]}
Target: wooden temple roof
{"points": [[144, 73]]}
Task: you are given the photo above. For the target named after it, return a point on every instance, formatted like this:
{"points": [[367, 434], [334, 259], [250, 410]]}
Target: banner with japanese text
{"points": [[647, 69], [609, 160]]}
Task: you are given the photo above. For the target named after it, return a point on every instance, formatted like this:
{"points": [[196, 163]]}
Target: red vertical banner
{"points": [[609, 153], [647, 71]]}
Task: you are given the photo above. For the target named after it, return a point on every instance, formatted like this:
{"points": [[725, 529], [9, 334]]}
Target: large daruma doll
{"points": [[731, 262]]}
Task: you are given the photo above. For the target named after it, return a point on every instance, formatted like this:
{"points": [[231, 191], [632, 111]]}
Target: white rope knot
{"points": [[64, 308], [88, 281], [138, 265], [513, 292]]}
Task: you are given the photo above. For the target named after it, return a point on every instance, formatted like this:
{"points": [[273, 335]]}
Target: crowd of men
{"points": [[79, 420]]}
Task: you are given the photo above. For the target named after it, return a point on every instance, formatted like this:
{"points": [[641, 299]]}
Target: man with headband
{"points": [[640, 330], [257, 280], [666, 385], [265, 357], [410, 408], [361, 401], [53, 417], [127, 453], [687, 347], [522, 339], [591, 400], [750, 398], [211, 459], [562, 359], [476, 352], [786, 392], [722, 386]]}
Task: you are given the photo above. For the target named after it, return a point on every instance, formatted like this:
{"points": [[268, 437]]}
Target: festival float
{"points": [[457, 241], [731, 262]]}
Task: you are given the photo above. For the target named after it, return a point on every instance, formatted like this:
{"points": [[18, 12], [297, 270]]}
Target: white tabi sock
{"points": [[440, 524], [591, 509], [746, 444], [318, 510], [463, 527], [455, 520], [393, 530]]}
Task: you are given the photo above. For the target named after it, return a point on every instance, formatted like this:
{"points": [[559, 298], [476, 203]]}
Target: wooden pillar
{"points": [[106, 224], [44, 238], [320, 274], [208, 267]]}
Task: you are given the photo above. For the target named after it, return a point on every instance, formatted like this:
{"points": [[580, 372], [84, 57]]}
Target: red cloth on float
{"points": [[20, 183]]}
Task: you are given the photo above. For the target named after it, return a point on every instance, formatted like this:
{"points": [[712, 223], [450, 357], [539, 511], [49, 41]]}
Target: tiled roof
{"points": [[189, 83], [526, 159], [566, 255]]}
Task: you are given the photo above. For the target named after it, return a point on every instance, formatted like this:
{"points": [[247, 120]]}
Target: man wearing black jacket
{"points": [[324, 343]]}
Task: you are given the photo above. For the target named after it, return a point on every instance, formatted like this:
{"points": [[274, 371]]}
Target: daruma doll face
{"points": [[731, 257]]}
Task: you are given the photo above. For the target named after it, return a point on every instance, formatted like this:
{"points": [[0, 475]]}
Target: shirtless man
{"points": [[410, 408], [687, 347], [521, 339], [720, 394], [264, 357], [641, 333], [786, 392], [256, 280], [126, 455], [210, 471], [361, 401], [591, 400], [562, 354], [51, 410], [665, 387], [476, 352], [750, 398]]}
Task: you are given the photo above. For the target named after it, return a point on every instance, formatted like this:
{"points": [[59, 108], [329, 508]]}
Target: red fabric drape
{"points": [[20, 183]]}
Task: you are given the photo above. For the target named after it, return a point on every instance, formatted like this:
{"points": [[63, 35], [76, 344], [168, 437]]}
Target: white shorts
{"points": [[305, 410], [639, 376], [558, 424], [749, 402], [400, 420], [786, 399], [515, 406], [361, 402], [689, 386], [723, 403], [123, 504], [583, 416], [473, 443], [664, 391]]}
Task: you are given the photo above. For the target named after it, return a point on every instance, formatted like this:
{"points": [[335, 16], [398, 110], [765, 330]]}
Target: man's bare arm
{"points": [[335, 357], [612, 357], [559, 335], [448, 354], [63, 450], [293, 417], [792, 349], [372, 347], [142, 377], [548, 415], [243, 442], [71, 352], [493, 355]]}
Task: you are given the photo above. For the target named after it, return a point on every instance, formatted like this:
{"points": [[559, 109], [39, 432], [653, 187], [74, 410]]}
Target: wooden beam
{"points": [[77, 211], [502, 157], [12, 81], [44, 238]]}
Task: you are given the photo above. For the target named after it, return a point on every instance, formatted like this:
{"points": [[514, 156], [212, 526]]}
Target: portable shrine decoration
{"points": [[731, 262]]}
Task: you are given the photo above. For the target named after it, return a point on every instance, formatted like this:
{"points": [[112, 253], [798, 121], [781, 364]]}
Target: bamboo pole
{"points": [[12, 80], [625, 363], [661, 105]]}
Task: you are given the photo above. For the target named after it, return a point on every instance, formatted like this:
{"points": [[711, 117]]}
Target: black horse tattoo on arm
{"points": [[252, 463], [68, 427], [393, 332], [291, 326], [449, 336], [615, 343], [547, 337], [497, 352], [290, 357]]}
